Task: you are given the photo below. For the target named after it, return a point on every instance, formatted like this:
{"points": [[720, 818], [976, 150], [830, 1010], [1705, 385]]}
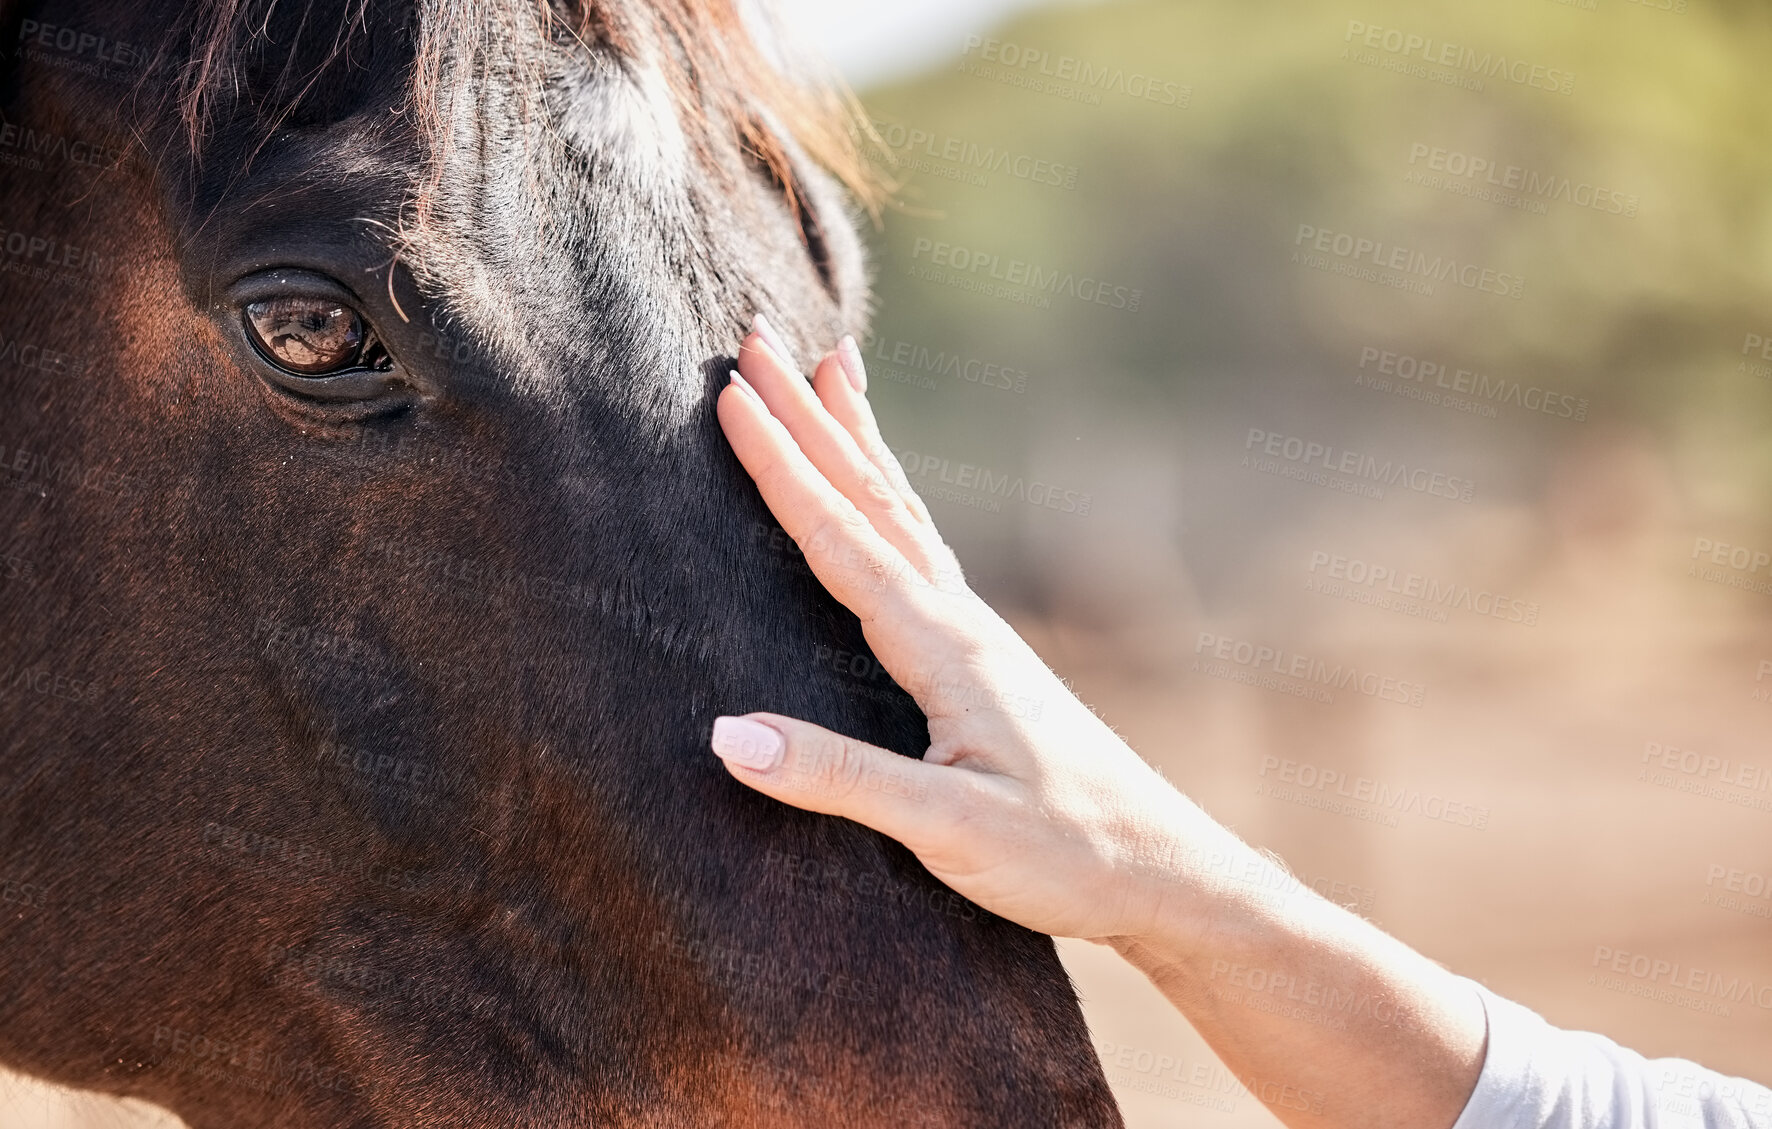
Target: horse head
{"points": [[375, 569]]}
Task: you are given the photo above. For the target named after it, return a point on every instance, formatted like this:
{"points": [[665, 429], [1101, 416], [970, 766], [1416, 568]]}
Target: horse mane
{"points": [[719, 76]]}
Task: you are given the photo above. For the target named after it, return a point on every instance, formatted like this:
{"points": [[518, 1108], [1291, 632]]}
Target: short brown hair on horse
{"points": [[372, 569]]}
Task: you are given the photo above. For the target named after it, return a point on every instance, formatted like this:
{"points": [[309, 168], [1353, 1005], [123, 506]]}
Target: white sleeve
{"points": [[1536, 1076]]}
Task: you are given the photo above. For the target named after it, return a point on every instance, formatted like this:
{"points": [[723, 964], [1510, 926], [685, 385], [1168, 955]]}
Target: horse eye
{"points": [[310, 336]]}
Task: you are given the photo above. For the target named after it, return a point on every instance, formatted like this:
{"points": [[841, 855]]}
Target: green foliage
{"points": [[1290, 120]]}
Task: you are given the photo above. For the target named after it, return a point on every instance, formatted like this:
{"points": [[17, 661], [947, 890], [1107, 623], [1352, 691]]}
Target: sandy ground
{"points": [[1598, 838]]}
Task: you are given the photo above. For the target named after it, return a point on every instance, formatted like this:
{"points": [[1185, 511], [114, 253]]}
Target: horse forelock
{"points": [[509, 107], [727, 88]]}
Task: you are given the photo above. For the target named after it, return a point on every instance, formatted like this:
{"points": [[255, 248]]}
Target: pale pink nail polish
{"points": [[748, 743], [761, 327], [745, 387], [849, 356]]}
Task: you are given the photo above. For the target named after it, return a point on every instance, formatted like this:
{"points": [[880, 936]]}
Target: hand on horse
{"points": [[1026, 802]]}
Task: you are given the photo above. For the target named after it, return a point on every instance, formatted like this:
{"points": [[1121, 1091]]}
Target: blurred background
{"points": [[1369, 409]]}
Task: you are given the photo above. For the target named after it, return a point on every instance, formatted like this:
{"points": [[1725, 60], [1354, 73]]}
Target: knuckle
{"points": [[894, 468], [876, 491], [854, 520], [831, 765]]}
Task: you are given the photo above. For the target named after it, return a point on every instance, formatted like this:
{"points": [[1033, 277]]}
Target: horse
{"points": [[372, 569]]}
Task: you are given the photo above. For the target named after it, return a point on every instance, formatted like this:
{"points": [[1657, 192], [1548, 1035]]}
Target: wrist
{"points": [[1212, 893]]}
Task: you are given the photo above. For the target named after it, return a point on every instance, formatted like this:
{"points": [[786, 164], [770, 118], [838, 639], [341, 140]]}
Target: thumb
{"points": [[811, 767]]}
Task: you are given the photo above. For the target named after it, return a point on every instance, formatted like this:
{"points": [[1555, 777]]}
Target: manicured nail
{"points": [[748, 743], [745, 387], [761, 327], [849, 356]]}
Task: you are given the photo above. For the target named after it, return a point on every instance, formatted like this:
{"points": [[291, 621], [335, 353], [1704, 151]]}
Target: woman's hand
{"points": [[1030, 806], [1025, 802]]}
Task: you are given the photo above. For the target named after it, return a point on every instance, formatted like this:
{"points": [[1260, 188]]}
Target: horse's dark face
{"points": [[373, 574]]}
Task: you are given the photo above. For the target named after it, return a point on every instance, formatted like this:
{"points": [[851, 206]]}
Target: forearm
{"points": [[1044, 816], [1329, 1021]]}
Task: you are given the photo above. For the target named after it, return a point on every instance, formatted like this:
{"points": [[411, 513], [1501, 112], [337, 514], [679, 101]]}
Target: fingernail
{"points": [[745, 386], [849, 356], [746, 742], [761, 327]]}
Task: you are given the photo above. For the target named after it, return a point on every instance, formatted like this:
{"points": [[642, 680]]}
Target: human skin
{"points": [[1031, 806]]}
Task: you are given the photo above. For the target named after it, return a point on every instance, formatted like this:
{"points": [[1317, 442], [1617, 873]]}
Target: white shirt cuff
{"points": [[1536, 1076]]}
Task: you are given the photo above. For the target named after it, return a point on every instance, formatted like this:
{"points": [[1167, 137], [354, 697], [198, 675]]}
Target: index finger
{"points": [[929, 645], [845, 552]]}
